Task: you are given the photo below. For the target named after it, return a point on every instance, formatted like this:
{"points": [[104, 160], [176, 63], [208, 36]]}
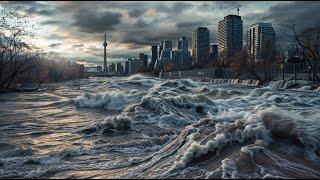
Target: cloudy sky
{"points": [[75, 29]]}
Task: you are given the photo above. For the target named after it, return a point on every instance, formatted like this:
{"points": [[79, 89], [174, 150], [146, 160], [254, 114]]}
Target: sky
{"points": [[76, 29]]}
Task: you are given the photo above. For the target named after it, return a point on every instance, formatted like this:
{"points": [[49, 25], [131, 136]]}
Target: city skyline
{"points": [[132, 27]]}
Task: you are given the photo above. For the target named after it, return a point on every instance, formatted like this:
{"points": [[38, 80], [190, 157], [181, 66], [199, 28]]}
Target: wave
{"points": [[183, 129], [110, 100]]}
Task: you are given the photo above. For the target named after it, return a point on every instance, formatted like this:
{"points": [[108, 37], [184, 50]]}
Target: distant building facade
{"points": [[166, 54], [126, 66], [200, 46], [230, 36], [154, 56], [261, 40], [119, 68], [135, 65], [213, 53], [181, 56], [144, 58], [160, 48], [112, 68]]}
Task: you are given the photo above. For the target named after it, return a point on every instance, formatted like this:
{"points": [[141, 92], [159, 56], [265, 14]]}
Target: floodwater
{"points": [[143, 127]]}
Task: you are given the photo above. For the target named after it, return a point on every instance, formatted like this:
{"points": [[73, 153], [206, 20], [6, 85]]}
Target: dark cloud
{"points": [[191, 24], [177, 7], [305, 14], [151, 22], [31, 7], [55, 37], [95, 22], [19, 2], [55, 45], [136, 12], [219, 5], [37, 10], [77, 45], [49, 22], [141, 23]]}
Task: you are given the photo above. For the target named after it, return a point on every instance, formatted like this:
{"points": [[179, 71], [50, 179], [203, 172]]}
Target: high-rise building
{"points": [[183, 44], [126, 66], [144, 58], [181, 56], [213, 53], [112, 68], [166, 54], [167, 45], [200, 46], [230, 36], [261, 41], [160, 47], [119, 68], [154, 56], [135, 65], [146, 61]]}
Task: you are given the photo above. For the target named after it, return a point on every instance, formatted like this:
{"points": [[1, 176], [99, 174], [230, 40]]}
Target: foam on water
{"points": [[144, 127], [111, 100]]}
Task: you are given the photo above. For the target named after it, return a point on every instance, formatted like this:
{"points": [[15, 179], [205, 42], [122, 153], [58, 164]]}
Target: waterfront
{"points": [[144, 127]]}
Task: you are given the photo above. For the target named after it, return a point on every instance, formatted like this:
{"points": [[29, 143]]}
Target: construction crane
{"points": [[238, 8]]}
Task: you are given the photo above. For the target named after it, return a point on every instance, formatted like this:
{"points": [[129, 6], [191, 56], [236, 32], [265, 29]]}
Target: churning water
{"points": [[142, 127]]}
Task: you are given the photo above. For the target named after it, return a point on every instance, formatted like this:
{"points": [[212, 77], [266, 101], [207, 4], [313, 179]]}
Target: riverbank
{"points": [[273, 84]]}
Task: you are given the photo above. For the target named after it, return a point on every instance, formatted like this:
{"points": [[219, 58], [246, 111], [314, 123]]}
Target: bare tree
{"points": [[308, 43], [237, 63], [15, 53]]}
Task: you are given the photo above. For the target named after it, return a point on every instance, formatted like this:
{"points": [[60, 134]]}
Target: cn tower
{"points": [[105, 71]]}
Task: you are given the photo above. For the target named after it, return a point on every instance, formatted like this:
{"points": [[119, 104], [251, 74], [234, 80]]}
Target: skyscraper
{"points": [[119, 68], [160, 47], [260, 41], [135, 65], [166, 54], [167, 45], [181, 55], [144, 58], [154, 56], [213, 53], [183, 44], [126, 66], [230, 37], [200, 46]]}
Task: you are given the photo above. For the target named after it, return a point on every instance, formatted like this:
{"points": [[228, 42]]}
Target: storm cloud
{"points": [[93, 22], [133, 26]]}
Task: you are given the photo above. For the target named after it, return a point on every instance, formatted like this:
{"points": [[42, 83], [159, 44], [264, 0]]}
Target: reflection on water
{"points": [[141, 127]]}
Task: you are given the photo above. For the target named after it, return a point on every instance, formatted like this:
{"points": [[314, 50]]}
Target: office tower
{"points": [[181, 56], [183, 44], [126, 66], [260, 41], [230, 37], [154, 56], [200, 46], [167, 45], [166, 54], [135, 65], [160, 47], [119, 68], [213, 53], [144, 58], [145, 61], [112, 68]]}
